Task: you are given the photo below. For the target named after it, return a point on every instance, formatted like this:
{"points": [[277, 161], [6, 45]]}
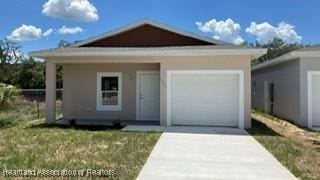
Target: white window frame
{"points": [[240, 73], [101, 107]]}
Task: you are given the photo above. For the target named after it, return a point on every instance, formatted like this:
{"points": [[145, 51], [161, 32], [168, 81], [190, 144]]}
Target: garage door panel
{"points": [[205, 99], [316, 100]]}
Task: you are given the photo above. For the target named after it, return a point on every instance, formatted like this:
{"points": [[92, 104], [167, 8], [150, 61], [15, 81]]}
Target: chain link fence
{"points": [[37, 97], [39, 94]]}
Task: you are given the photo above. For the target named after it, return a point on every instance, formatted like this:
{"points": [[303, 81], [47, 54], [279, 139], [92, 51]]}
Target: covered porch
{"points": [[88, 101]]}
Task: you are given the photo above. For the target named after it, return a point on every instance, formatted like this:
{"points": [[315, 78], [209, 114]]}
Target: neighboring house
{"points": [[289, 87], [148, 71]]}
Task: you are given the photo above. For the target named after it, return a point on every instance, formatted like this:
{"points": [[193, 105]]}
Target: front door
{"points": [[148, 96]]}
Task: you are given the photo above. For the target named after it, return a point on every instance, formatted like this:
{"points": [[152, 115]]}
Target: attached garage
{"points": [[205, 98], [314, 98]]}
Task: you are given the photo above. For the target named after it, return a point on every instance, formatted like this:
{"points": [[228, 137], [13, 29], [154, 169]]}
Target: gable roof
{"points": [[144, 22], [313, 51]]}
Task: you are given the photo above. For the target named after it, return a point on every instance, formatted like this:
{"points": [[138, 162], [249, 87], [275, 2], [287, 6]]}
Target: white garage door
{"points": [[316, 100], [205, 98]]}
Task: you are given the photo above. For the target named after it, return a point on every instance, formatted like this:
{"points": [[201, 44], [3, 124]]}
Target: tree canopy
{"points": [[21, 71], [275, 48]]}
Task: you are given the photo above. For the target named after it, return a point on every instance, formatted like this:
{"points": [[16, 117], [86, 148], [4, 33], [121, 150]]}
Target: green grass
{"points": [[301, 160], [18, 114], [25, 143]]}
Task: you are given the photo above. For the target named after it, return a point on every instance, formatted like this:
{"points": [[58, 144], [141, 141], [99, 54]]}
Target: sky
{"points": [[41, 24]]}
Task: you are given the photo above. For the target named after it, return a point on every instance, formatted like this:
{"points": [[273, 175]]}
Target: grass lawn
{"points": [[296, 148], [25, 143]]}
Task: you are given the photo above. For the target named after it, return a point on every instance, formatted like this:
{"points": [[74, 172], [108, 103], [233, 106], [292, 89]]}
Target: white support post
{"points": [[50, 92]]}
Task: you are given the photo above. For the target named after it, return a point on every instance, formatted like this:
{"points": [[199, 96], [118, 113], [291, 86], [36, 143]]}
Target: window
{"points": [[109, 91]]}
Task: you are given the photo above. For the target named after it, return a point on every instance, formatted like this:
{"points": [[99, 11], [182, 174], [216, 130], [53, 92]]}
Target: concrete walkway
{"points": [[210, 153]]}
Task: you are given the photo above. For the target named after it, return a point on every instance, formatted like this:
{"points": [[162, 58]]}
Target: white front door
{"points": [[148, 95]]}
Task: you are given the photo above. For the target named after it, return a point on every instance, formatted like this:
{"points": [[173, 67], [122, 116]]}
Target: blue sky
{"points": [[303, 15]]}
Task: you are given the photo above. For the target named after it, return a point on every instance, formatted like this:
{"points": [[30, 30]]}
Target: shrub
{"points": [[8, 93]]}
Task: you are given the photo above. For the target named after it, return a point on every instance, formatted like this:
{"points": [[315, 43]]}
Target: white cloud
{"points": [[265, 32], [67, 30], [26, 33], [48, 32], [79, 10], [226, 30]]}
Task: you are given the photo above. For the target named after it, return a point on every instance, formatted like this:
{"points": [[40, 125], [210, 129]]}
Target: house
{"points": [[289, 87], [149, 71]]}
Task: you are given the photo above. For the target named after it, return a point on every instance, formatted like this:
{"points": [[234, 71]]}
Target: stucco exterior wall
{"points": [[80, 75], [307, 64], [80, 90], [286, 79]]}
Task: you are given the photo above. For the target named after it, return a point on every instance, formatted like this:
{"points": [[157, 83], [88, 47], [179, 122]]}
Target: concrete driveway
{"points": [[210, 153]]}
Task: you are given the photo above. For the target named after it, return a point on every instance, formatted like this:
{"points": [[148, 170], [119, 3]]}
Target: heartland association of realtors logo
{"points": [[58, 173]]}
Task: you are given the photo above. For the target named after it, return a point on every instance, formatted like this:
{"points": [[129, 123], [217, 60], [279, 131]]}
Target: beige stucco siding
{"points": [[80, 90], [307, 64], [286, 79]]}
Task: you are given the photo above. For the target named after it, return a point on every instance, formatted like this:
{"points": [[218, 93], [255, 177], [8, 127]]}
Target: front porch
{"points": [[102, 94]]}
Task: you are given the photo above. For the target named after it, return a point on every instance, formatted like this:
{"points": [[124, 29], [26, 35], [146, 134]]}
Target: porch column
{"points": [[50, 92]]}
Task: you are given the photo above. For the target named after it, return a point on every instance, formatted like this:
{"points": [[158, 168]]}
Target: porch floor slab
{"points": [[144, 128], [102, 122]]}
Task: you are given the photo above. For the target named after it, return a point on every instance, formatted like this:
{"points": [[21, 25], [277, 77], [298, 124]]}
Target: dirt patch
{"points": [[291, 131]]}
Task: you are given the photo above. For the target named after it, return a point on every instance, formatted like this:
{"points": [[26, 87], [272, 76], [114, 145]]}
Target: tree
{"points": [[30, 74], [275, 48], [7, 94], [59, 77], [64, 43], [10, 54]]}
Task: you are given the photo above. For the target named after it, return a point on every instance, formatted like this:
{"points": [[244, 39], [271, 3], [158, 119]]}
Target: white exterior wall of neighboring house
{"points": [[296, 78], [286, 80]]}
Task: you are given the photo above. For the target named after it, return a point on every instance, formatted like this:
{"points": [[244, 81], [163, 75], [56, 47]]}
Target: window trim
{"points": [[101, 107]]}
